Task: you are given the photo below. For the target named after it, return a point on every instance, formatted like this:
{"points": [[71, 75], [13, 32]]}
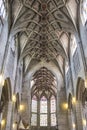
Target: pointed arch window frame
{"points": [[53, 110], [34, 111], [43, 111]]}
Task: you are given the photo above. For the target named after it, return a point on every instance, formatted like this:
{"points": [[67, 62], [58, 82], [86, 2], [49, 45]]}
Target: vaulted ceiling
{"points": [[43, 29], [44, 83], [40, 25]]}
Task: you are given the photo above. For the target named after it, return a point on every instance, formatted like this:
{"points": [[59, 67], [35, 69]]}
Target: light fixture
{"points": [[14, 125], [1, 80], [3, 123], [73, 100], [85, 83], [21, 108], [65, 106], [73, 125], [84, 122], [14, 98]]}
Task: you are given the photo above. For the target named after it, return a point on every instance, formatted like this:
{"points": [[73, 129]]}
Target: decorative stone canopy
{"points": [[44, 83]]}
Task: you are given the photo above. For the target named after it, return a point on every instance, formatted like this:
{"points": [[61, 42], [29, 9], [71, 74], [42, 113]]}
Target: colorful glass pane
{"points": [[53, 119], [43, 120], [34, 120], [34, 104], [43, 105], [53, 104]]}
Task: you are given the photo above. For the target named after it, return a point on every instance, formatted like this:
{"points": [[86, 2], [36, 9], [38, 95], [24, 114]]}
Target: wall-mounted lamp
{"points": [[73, 125], [1, 80], [14, 126], [14, 98], [73, 100], [84, 122], [85, 83], [65, 106], [3, 123], [21, 108]]}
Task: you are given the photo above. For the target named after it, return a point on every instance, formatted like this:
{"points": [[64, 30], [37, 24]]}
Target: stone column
{"points": [[9, 116], [29, 106], [79, 116], [70, 119], [62, 113]]}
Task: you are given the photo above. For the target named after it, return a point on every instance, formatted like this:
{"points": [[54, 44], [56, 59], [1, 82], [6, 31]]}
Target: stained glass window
{"points": [[43, 119], [53, 104], [34, 104], [43, 109], [43, 115], [34, 111], [34, 120], [43, 105], [53, 111], [53, 119]]}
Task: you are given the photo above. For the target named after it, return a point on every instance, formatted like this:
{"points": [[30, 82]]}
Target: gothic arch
{"points": [[80, 88], [7, 90], [70, 101]]}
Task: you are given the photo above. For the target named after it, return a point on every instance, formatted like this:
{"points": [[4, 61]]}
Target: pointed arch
{"points": [[7, 89], [80, 88]]}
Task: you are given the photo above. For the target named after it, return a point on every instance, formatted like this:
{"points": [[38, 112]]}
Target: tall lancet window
{"points": [[43, 111], [34, 111], [53, 111]]}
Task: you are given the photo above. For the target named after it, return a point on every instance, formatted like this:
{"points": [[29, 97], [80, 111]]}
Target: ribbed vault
{"points": [[42, 29], [40, 25], [44, 83]]}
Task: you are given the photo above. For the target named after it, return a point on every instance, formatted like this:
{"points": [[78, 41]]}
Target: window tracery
{"points": [[34, 111], [43, 109], [53, 111]]}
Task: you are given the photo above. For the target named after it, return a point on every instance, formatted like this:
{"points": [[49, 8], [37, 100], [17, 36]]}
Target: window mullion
{"points": [[49, 114], [38, 113]]}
